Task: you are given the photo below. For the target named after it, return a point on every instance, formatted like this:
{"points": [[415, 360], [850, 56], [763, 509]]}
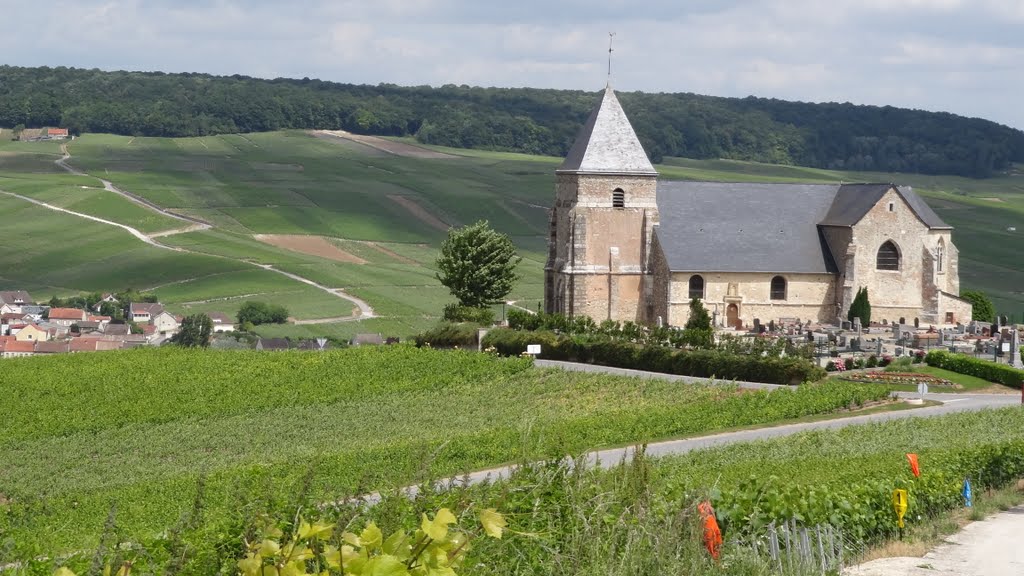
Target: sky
{"points": [[959, 56]]}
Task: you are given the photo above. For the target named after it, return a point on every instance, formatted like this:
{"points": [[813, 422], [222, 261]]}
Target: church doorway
{"points": [[732, 316]]}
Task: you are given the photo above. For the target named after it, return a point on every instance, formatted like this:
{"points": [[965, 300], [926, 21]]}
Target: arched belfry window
{"points": [[888, 257], [940, 256], [778, 288], [696, 286], [619, 198]]}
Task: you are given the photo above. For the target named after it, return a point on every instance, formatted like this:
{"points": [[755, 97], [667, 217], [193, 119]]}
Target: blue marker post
{"points": [[967, 492]]}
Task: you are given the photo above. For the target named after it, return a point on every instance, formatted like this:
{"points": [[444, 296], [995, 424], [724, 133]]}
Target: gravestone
{"points": [[1015, 350], [879, 351], [856, 324], [846, 325]]}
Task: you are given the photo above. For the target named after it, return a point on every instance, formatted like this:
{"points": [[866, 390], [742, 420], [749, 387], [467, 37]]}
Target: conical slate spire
{"points": [[607, 143]]}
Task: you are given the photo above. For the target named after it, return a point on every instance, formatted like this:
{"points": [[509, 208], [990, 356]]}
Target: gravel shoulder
{"points": [[985, 548]]}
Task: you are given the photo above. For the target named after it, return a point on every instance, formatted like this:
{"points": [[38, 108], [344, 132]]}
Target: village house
{"points": [[29, 333], [143, 312], [95, 345], [56, 347], [165, 323], [8, 319], [56, 134], [11, 347], [625, 246], [222, 322], [67, 316], [107, 298], [12, 301]]}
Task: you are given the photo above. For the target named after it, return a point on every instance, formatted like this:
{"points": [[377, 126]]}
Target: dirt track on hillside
{"points": [[389, 146], [312, 245], [419, 212]]}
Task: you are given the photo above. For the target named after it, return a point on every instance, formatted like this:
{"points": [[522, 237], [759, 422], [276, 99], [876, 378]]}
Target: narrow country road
{"points": [[195, 223], [363, 309], [985, 548], [608, 458], [129, 229]]}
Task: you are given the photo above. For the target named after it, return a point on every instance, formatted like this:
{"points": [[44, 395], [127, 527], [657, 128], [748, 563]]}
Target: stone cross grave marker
{"points": [[1015, 349]]}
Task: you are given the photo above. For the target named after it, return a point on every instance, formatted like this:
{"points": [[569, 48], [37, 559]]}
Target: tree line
{"points": [[535, 121]]}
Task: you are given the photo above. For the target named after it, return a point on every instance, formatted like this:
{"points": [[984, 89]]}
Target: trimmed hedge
{"points": [[701, 363], [963, 364], [449, 335]]}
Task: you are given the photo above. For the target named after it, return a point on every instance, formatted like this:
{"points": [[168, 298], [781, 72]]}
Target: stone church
{"points": [[624, 246]]}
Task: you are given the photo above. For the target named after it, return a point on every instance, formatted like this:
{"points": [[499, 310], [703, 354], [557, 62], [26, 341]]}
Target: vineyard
{"points": [[846, 477], [641, 518], [138, 429]]}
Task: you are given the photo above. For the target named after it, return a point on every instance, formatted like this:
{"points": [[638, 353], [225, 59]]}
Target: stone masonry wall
{"points": [[808, 297], [599, 253]]}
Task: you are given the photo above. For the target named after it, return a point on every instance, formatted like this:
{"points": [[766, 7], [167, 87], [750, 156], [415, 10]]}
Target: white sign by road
{"points": [[533, 349]]}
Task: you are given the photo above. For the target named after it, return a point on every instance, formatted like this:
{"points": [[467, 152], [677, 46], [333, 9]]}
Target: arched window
{"points": [[696, 287], [618, 198], [888, 257], [940, 256], [778, 288]]}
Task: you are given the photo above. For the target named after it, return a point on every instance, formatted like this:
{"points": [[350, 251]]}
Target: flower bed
{"points": [[906, 378]]}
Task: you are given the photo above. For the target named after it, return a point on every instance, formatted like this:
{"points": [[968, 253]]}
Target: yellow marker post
{"points": [[899, 505]]}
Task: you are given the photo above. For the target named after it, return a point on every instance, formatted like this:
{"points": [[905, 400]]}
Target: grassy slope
{"points": [[290, 182], [367, 418]]}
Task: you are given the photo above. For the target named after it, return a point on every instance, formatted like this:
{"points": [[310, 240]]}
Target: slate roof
{"points": [[117, 329], [15, 297], [742, 227], [607, 143], [152, 309], [221, 318], [272, 344], [854, 200], [764, 227]]}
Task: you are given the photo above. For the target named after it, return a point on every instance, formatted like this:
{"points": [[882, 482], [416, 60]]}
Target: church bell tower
{"points": [[601, 223]]}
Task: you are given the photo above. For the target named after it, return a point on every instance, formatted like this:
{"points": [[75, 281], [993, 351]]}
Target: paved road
{"points": [[951, 403], [986, 548]]}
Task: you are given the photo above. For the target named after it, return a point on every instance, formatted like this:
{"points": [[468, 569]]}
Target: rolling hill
{"points": [[293, 215]]}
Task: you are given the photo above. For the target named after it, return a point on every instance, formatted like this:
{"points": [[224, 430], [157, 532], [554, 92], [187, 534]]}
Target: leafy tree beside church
{"points": [[477, 264]]}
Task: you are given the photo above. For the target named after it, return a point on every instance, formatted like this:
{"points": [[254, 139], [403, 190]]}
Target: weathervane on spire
{"points": [[611, 36]]}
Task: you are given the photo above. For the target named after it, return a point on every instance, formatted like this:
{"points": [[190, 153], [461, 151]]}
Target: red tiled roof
{"points": [[66, 314], [86, 345], [99, 318], [15, 346], [57, 131]]}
